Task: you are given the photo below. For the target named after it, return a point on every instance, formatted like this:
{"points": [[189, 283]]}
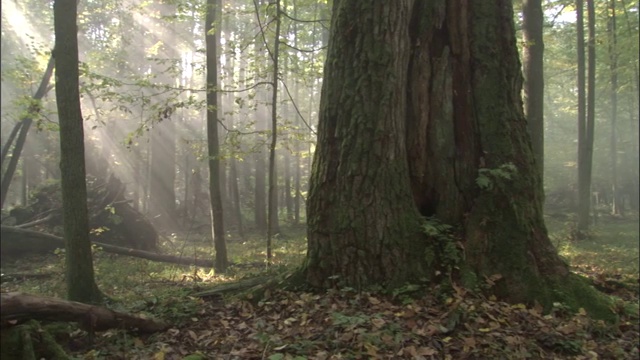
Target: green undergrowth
{"points": [[607, 258], [130, 279], [611, 246]]}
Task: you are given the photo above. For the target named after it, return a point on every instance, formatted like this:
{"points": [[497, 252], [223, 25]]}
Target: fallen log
{"points": [[36, 222], [15, 306], [15, 241]]}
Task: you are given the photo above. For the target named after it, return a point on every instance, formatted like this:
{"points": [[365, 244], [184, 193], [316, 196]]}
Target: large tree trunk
{"points": [[362, 223], [80, 281], [421, 115]]}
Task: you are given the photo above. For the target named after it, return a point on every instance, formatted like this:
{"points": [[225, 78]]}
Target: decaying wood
{"points": [[15, 240], [17, 306], [110, 214]]}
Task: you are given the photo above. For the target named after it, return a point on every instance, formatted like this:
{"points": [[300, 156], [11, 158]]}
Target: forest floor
{"points": [[343, 323]]}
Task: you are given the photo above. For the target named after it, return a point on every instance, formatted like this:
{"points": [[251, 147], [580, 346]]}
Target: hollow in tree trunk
{"points": [[421, 117]]}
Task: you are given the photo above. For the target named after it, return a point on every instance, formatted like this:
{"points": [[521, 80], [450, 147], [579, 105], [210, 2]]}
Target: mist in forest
{"points": [[431, 221], [142, 88], [143, 101]]}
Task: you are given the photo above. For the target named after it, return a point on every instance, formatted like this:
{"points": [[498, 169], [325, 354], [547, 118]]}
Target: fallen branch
{"points": [[15, 240], [15, 306], [35, 222]]}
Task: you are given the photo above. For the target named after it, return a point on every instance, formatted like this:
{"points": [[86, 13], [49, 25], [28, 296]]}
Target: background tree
{"points": [[585, 142], [20, 131], [584, 195], [613, 65], [217, 215], [81, 285], [561, 108], [272, 226], [396, 117], [533, 69]]}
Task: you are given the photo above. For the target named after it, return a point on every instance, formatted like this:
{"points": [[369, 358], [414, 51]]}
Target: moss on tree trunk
{"points": [[363, 225], [421, 115]]}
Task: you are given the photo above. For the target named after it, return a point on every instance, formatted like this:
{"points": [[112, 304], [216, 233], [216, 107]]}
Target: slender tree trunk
{"points": [[80, 281], [591, 98], [24, 126], [217, 218], [297, 146], [632, 188], [534, 76], [10, 139], [631, 28], [298, 163], [288, 199], [584, 185], [613, 67], [34, 172], [24, 191], [260, 203], [162, 182], [235, 192], [162, 198], [186, 213], [272, 226]]}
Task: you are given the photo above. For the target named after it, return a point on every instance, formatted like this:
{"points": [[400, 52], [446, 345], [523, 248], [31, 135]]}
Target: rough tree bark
{"points": [[362, 223], [80, 281], [420, 101]]}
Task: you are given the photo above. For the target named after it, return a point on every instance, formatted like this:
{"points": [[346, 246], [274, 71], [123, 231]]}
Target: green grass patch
{"points": [[612, 246], [143, 283]]}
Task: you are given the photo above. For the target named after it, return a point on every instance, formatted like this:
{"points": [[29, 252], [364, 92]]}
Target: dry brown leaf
{"points": [[378, 323], [192, 334], [469, 341], [427, 351]]}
